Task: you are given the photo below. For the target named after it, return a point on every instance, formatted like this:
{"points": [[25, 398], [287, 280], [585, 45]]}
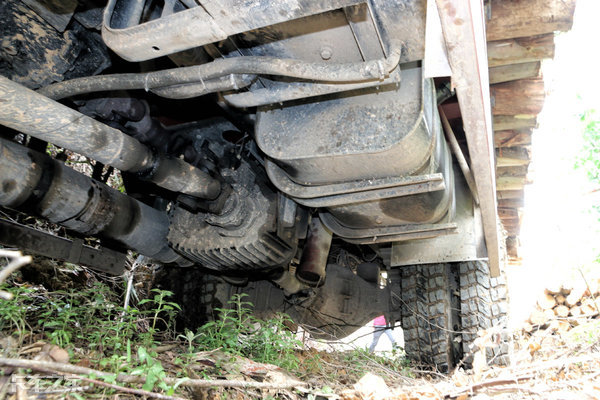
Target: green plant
{"points": [[161, 309], [189, 337], [153, 371], [13, 312], [589, 158], [237, 332]]}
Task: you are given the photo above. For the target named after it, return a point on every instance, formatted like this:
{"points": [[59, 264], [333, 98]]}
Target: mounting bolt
{"points": [[326, 52]]}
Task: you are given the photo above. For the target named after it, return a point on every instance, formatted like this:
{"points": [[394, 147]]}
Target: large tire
{"points": [[443, 308], [430, 315], [484, 306]]}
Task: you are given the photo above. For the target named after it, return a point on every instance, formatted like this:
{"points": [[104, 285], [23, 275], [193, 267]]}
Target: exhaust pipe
{"points": [[29, 112], [36, 183], [314, 255]]}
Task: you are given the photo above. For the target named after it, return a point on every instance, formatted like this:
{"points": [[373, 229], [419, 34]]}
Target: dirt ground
{"points": [[555, 357]]}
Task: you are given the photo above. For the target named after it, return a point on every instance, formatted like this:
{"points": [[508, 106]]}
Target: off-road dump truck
{"points": [[291, 150]]}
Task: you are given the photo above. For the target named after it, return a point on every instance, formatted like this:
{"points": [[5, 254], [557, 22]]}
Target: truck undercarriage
{"points": [[291, 150]]}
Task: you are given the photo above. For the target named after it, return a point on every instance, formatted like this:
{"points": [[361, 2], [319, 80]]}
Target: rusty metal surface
{"points": [[74, 251], [301, 90], [35, 54], [313, 264], [35, 183], [297, 191], [57, 13], [135, 40], [464, 33], [382, 131], [465, 244], [387, 234], [376, 70], [32, 113]]}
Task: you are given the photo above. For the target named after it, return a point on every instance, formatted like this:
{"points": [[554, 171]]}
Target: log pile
{"points": [[520, 35], [562, 307]]}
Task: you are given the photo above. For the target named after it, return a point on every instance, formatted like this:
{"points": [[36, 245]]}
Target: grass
{"points": [[90, 322]]}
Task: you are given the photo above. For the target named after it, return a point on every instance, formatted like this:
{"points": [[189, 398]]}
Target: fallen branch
{"points": [[127, 390], [17, 260], [124, 378]]}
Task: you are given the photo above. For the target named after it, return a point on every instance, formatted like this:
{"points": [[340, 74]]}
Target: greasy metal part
{"points": [[358, 191], [252, 232], [190, 90], [386, 234], [367, 134], [57, 13], [289, 282], [36, 54], [34, 114], [383, 151], [466, 244], [35, 183], [314, 254], [297, 191], [74, 251], [300, 90], [318, 71], [212, 22], [464, 33], [460, 157], [342, 305], [374, 195]]}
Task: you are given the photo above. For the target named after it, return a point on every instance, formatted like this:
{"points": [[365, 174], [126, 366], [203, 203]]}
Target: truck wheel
{"points": [[444, 306], [484, 304], [430, 314]]}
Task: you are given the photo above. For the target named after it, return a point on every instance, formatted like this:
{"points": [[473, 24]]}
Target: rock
{"points": [[372, 387], [59, 355]]}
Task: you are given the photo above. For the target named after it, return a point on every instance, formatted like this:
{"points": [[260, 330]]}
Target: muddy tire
{"points": [[444, 306], [430, 315], [484, 303], [197, 293]]}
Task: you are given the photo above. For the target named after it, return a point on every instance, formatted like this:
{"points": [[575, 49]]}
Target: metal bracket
{"points": [[73, 251], [353, 192], [386, 234]]}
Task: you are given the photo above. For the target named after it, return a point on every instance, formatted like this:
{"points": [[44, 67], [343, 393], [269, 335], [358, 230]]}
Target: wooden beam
{"points": [[520, 121], [512, 227], [511, 203], [464, 33], [520, 18], [511, 182], [518, 170], [508, 213], [525, 96], [511, 138], [520, 50], [512, 156], [513, 72], [510, 194], [512, 247]]}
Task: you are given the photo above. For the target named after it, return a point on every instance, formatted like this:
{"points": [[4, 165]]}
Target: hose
{"points": [[189, 90], [317, 71]]}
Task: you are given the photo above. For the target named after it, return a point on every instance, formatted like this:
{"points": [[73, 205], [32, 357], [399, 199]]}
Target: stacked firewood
{"points": [[562, 307]]}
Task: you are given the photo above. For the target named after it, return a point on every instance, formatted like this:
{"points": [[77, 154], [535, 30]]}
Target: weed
{"points": [[238, 332], [13, 312], [160, 308]]}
